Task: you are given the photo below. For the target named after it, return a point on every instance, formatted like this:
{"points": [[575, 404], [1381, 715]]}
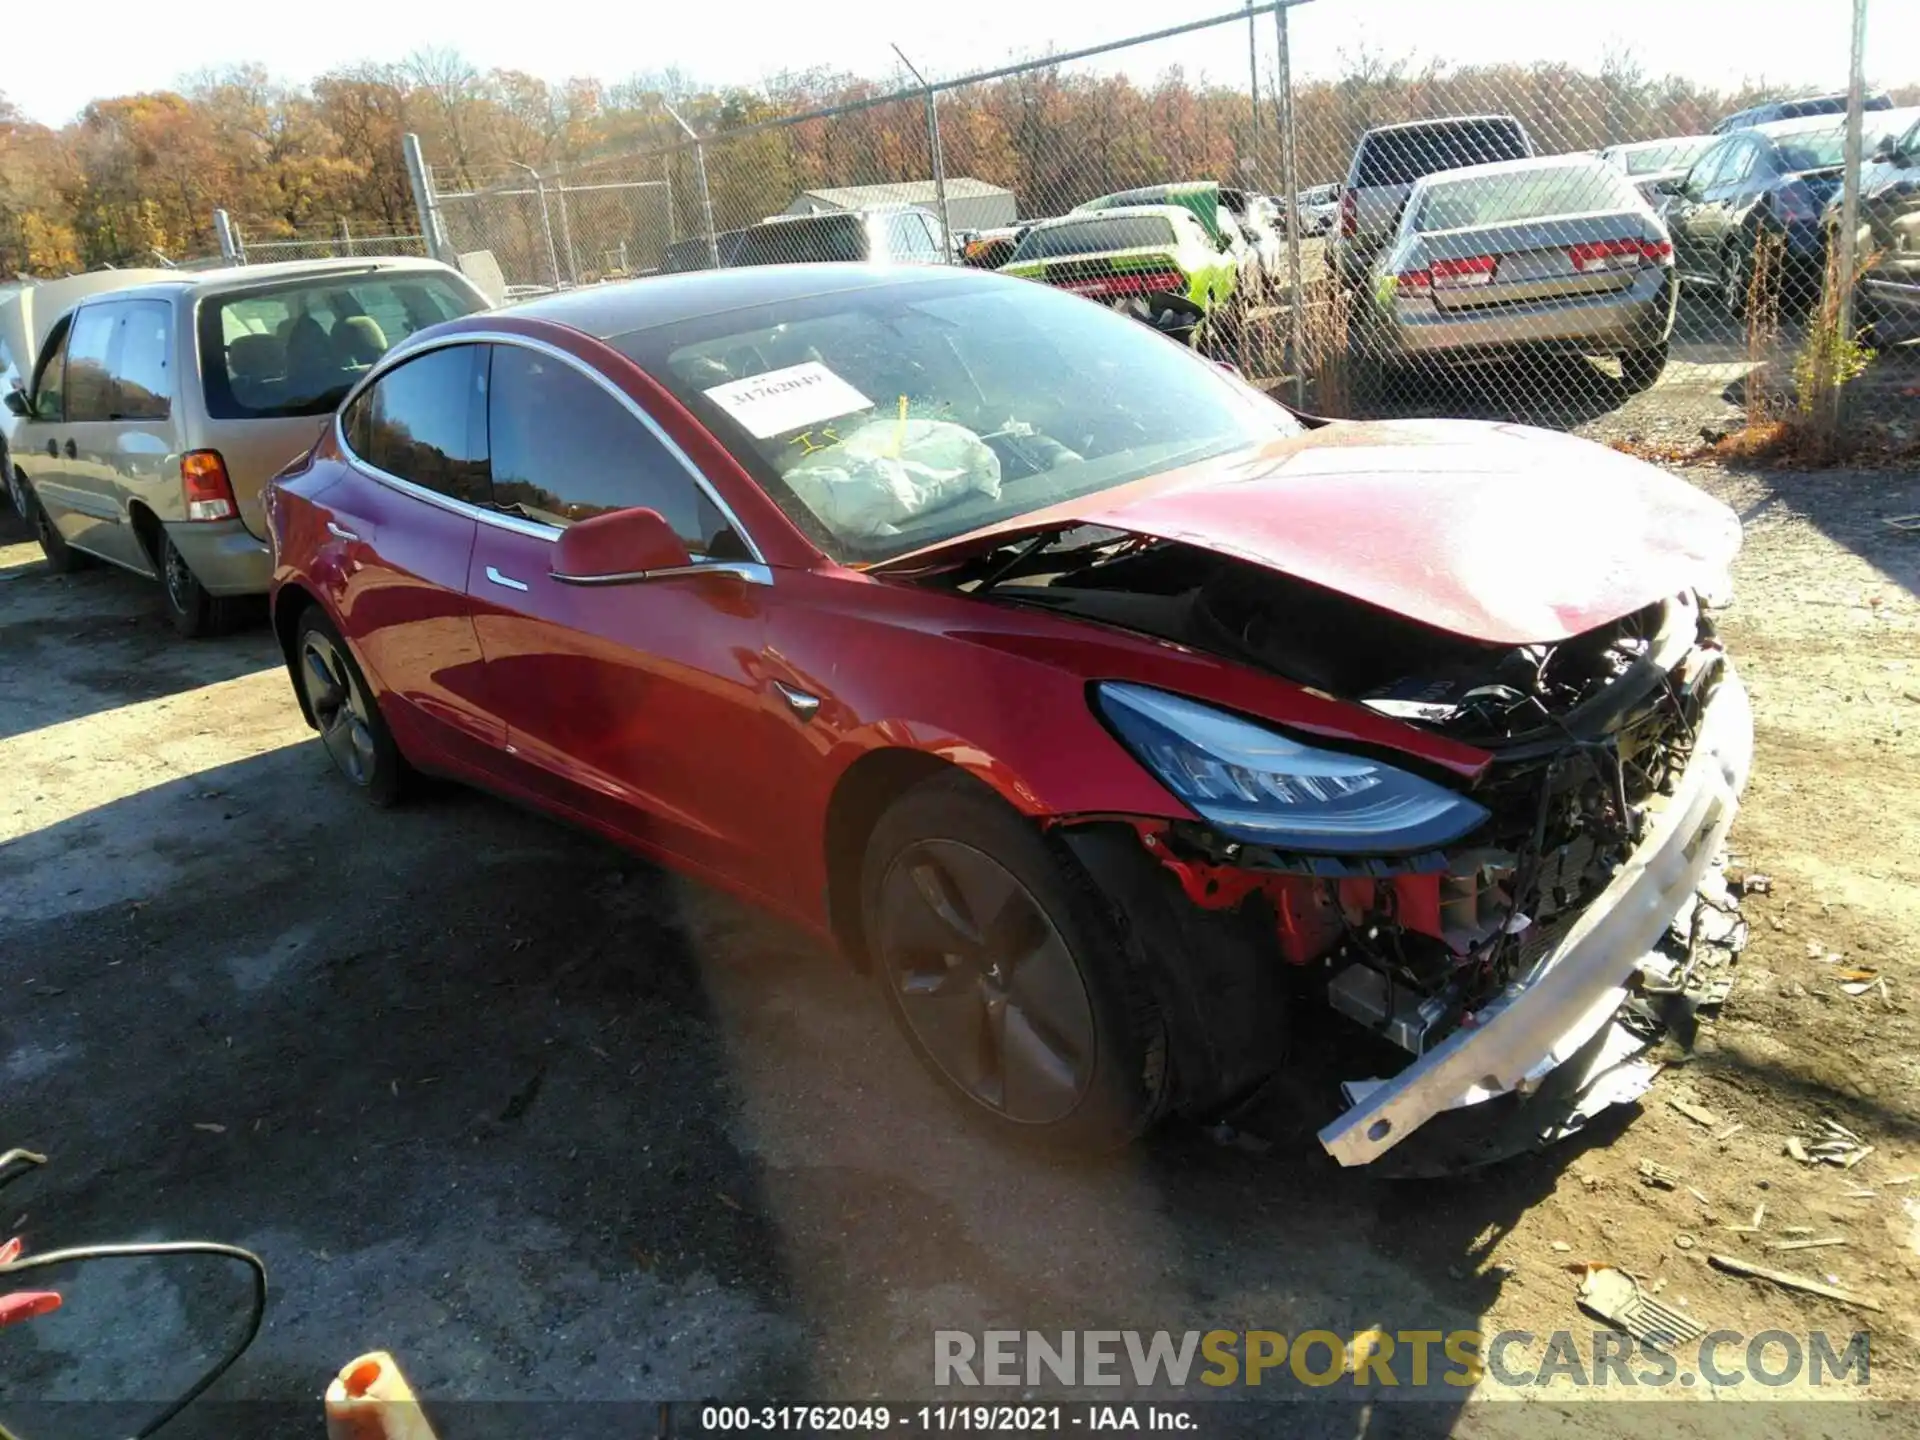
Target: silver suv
{"points": [[1390, 158], [158, 413]]}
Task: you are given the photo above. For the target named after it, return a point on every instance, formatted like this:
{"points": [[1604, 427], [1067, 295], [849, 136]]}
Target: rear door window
{"points": [[296, 349], [1400, 157], [89, 372], [423, 422], [602, 459], [143, 361]]}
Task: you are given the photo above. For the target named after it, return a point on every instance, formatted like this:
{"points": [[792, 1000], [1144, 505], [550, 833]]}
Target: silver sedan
{"points": [[1555, 253]]}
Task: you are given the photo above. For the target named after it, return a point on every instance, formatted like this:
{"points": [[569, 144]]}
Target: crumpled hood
{"points": [[1501, 533]]}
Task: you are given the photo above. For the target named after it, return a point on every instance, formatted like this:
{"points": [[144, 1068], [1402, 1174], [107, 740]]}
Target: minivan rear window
{"points": [[296, 349], [1400, 157]]}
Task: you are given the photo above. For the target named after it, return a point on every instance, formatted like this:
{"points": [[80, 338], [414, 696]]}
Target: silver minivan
{"points": [[157, 414]]}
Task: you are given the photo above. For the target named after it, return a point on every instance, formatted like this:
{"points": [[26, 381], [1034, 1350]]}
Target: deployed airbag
{"points": [[887, 472]]}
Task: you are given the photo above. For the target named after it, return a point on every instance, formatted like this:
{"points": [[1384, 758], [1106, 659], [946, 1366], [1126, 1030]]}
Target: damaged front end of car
{"points": [[1478, 942]]}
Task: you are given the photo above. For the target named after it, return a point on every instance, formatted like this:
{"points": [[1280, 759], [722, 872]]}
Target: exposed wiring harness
{"points": [[81, 1254]]}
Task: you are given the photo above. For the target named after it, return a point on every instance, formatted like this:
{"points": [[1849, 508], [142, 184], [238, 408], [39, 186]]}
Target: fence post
{"points": [[934, 152], [1289, 182], [700, 178], [421, 182], [229, 239], [546, 219], [1251, 170], [1833, 403], [566, 231]]}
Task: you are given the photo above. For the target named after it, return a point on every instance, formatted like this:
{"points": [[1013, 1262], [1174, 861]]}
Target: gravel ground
{"points": [[551, 1124]]}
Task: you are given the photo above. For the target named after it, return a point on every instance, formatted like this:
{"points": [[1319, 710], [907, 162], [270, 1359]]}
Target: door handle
{"points": [[339, 534], [72, 451], [507, 580]]}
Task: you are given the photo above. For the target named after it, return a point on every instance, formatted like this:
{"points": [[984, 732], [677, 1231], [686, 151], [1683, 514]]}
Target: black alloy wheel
{"points": [[1002, 965], [351, 727], [986, 983]]}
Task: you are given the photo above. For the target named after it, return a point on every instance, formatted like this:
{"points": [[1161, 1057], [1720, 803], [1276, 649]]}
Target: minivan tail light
{"points": [[1349, 214], [205, 487], [1454, 274]]}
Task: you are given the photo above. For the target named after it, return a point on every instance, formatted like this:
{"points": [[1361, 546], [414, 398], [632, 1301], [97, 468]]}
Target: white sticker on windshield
{"points": [[789, 399]]}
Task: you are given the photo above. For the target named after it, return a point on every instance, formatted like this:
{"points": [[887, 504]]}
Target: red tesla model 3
{"points": [[1118, 720]]}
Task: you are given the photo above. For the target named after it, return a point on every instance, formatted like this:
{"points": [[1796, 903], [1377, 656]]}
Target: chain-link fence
{"points": [[337, 241], [1584, 247]]}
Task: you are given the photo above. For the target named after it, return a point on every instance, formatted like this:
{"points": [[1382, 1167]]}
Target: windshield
{"points": [[297, 349], [1667, 155], [889, 418], [1095, 237], [1509, 195]]}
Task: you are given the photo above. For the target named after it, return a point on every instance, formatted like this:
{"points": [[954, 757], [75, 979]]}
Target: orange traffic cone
{"points": [[371, 1400]]}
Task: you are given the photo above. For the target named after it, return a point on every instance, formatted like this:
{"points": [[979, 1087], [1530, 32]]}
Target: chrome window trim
{"points": [[494, 517], [752, 572]]}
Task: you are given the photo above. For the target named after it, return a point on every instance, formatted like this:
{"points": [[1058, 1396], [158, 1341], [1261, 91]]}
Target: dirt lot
{"points": [[553, 1125]]}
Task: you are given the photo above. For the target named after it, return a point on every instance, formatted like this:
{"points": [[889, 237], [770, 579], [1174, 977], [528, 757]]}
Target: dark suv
{"points": [[1389, 158], [1796, 109]]}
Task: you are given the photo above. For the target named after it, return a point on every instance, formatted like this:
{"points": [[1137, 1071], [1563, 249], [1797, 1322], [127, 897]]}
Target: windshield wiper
{"points": [[1019, 557]]}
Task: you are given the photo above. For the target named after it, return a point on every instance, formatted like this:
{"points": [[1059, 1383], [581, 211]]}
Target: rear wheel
{"points": [[62, 558], [194, 613], [1640, 369], [351, 727], [999, 965]]}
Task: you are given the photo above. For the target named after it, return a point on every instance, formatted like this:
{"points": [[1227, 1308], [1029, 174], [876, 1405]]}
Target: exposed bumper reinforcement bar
{"points": [[1538, 1023]]}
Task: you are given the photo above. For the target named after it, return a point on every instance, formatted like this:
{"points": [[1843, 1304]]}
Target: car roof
{"points": [[249, 277], [1665, 144], [1517, 167], [1800, 125], [1081, 217], [604, 311], [1440, 122]]}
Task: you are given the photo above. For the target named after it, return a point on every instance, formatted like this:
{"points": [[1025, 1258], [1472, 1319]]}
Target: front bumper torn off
{"points": [[1574, 991]]}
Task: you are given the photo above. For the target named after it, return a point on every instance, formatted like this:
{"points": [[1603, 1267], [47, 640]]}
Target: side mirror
{"points": [[621, 547], [1887, 149], [1671, 185], [18, 404]]}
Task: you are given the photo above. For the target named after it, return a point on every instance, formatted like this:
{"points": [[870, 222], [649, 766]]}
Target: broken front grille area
{"points": [[1411, 947]]}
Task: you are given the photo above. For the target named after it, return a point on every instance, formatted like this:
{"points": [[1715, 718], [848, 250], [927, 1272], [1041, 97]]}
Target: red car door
{"points": [[643, 706], [400, 531]]}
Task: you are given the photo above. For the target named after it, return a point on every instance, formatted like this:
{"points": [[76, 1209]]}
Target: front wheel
{"points": [[1008, 980], [62, 558], [351, 727]]}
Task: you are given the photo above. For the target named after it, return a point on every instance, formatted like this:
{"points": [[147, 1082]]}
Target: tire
{"points": [[195, 613], [62, 558], [352, 730], [16, 489], [1004, 973], [1736, 280], [1640, 369]]}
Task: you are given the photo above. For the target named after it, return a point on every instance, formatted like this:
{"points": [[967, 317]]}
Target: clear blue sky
{"points": [[123, 46]]}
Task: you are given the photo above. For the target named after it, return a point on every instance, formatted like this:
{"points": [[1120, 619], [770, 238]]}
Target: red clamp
{"points": [[25, 1304]]}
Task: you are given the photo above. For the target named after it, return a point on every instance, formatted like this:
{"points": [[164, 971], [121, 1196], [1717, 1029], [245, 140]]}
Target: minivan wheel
{"points": [[351, 727], [194, 613], [1004, 974], [62, 558]]}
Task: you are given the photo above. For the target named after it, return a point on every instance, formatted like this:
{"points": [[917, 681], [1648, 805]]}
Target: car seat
{"points": [[358, 341], [256, 366]]}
